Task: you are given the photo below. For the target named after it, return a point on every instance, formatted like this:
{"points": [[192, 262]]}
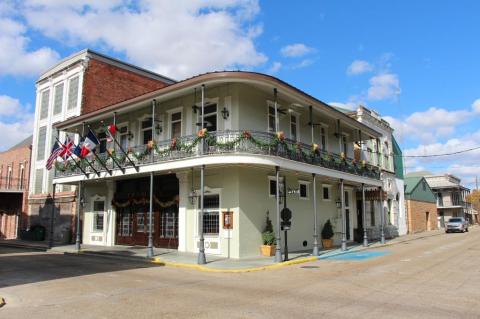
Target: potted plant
{"points": [[268, 239], [327, 234]]}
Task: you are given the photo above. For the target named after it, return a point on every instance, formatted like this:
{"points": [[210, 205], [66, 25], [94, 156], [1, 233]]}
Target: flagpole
{"points": [[98, 158], [90, 164], [76, 163], [120, 147], [116, 162]]}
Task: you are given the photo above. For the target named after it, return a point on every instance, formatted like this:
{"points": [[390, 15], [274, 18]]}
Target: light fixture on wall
{"points": [[130, 135], [192, 196], [339, 203], [225, 113], [158, 129]]}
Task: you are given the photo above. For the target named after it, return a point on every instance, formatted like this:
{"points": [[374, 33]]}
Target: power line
{"points": [[430, 155]]}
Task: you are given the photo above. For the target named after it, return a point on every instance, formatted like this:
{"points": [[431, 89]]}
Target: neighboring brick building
{"points": [[421, 205], [82, 83], [14, 173]]}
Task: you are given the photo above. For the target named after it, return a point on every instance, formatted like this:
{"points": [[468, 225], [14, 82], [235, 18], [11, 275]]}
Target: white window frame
{"points": [[69, 80], [297, 120], [170, 122], [209, 191], [306, 183], [329, 187], [55, 88], [141, 130], [344, 136], [214, 100], [119, 135], [97, 198], [272, 104], [274, 178]]}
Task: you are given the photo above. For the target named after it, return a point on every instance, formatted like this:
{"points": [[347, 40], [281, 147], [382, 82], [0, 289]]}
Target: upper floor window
{"points": [[385, 156], [293, 127], [58, 99], [123, 136], [21, 177], [42, 137], [439, 199], [344, 145], [146, 128], [323, 138], [102, 138], [378, 152], [9, 177], [210, 117], [73, 93], [44, 104], [271, 119], [176, 124]]}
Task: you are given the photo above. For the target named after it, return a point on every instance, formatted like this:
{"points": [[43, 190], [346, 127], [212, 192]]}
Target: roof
{"points": [[26, 142], [411, 182], [419, 174], [216, 77], [85, 54]]}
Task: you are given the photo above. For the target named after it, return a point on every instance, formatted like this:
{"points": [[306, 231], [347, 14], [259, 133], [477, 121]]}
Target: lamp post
{"points": [[382, 216], [364, 217], [79, 208], [150, 219], [278, 252], [202, 260]]}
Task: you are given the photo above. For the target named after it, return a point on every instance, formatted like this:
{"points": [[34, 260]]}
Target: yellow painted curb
{"points": [[157, 260]]}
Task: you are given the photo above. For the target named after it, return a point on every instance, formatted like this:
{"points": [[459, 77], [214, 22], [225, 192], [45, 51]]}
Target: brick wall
{"points": [[418, 219], [105, 84], [17, 211]]}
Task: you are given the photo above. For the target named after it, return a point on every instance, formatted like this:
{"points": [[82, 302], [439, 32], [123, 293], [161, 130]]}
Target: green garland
{"points": [[276, 141]]}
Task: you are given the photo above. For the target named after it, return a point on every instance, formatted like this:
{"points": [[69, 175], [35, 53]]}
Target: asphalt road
{"points": [[433, 277]]}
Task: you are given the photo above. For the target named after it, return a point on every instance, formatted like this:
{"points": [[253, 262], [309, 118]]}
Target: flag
{"points": [[111, 131], [67, 148], [77, 151], [56, 150], [90, 141]]}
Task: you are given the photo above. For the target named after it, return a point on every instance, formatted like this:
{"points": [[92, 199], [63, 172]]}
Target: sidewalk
{"points": [[174, 258]]}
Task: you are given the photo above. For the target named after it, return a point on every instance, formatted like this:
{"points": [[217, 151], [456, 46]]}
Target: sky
{"points": [[414, 62]]}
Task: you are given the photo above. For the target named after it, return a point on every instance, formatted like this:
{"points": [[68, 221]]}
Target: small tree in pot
{"points": [[327, 234], [268, 239]]}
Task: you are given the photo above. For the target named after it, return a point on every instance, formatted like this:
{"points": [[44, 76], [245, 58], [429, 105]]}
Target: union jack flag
{"points": [[67, 148]]}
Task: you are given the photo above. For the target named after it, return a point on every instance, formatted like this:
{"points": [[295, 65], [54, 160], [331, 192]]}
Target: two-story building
{"points": [[14, 173], [451, 198], [210, 157], [80, 84]]}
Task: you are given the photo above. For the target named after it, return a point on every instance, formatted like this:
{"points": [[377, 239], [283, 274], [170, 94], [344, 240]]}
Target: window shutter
{"points": [[73, 93], [38, 181], [44, 104], [42, 137], [57, 103]]}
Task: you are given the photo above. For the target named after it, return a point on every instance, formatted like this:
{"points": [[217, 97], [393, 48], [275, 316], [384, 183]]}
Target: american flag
{"points": [[56, 150]]}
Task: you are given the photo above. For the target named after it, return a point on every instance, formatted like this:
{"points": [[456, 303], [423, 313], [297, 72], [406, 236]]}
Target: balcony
{"points": [[217, 143], [12, 185]]}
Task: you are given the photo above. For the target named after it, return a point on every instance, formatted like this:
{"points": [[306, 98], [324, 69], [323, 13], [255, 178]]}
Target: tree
{"points": [[474, 199]]}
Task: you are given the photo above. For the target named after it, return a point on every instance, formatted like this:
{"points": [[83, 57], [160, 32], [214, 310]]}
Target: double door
{"points": [[133, 227]]}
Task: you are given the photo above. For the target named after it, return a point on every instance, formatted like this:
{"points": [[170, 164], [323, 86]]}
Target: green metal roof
{"points": [[417, 188], [411, 182], [397, 159]]}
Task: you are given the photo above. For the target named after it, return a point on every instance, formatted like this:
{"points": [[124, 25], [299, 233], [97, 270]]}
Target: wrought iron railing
{"points": [[218, 143]]}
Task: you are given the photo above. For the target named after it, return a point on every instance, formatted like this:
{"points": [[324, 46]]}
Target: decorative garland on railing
{"points": [[276, 140], [143, 201]]}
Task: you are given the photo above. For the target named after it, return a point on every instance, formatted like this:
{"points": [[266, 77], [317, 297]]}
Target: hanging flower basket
{"points": [[281, 136], [202, 133], [246, 134], [173, 145]]}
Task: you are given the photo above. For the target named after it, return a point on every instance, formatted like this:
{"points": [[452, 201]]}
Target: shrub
{"points": [[327, 231], [268, 235]]}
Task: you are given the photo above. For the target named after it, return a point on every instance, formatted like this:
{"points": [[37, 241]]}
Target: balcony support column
{"points": [[364, 217], [79, 209], [382, 216], [315, 222], [150, 219], [201, 260], [278, 252], [344, 217], [275, 93], [52, 218]]}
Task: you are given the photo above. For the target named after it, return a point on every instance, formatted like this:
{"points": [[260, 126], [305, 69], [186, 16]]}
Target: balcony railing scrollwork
{"points": [[217, 143]]}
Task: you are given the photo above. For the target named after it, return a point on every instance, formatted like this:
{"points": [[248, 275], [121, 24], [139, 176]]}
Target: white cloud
{"points": [[430, 125], [359, 67], [383, 86], [295, 50], [16, 122], [476, 106], [175, 38], [15, 56], [276, 66]]}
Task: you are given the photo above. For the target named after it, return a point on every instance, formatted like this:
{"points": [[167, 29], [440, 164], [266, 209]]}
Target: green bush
{"points": [[268, 235], [327, 231]]}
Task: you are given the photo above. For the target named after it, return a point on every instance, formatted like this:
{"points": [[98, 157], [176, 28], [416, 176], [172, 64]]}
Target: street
{"points": [[432, 277]]}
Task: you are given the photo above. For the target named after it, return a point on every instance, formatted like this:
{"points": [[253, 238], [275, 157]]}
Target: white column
{"points": [[111, 214], [183, 186]]}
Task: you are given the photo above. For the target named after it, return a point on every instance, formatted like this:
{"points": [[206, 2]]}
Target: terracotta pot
{"points": [[327, 243], [267, 250]]}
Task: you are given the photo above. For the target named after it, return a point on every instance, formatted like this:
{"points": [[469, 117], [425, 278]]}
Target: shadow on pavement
{"points": [[17, 268]]}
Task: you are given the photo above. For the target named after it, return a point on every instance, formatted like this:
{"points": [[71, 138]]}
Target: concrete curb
{"points": [[157, 260], [24, 246], [108, 255]]}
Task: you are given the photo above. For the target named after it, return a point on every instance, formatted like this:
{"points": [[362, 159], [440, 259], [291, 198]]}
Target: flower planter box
{"points": [[267, 250], [327, 243]]}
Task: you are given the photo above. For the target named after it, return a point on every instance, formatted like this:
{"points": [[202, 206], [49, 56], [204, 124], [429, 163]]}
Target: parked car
{"points": [[456, 224]]}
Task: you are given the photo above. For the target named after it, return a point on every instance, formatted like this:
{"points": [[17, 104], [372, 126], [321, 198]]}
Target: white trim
{"points": [[93, 199], [207, 237], [274, 178], [329, 187], [296, 115]]}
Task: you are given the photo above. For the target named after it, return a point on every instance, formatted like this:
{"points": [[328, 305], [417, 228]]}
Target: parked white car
{"points": [[456, 224]]}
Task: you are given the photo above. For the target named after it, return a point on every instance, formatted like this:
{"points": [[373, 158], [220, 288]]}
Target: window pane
{"points": [[147, 136], [147, 123], [210, 122], [44, 104], [177, 116], [73, 93], [42, 137], [273, 187], [303, 190], [176, 129], [98, 222], [57, 103], [326, 193], [210, 223], [99, 206]]}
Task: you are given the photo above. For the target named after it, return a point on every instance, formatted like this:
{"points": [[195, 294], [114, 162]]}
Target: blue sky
{"points": [[415, 62]]}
